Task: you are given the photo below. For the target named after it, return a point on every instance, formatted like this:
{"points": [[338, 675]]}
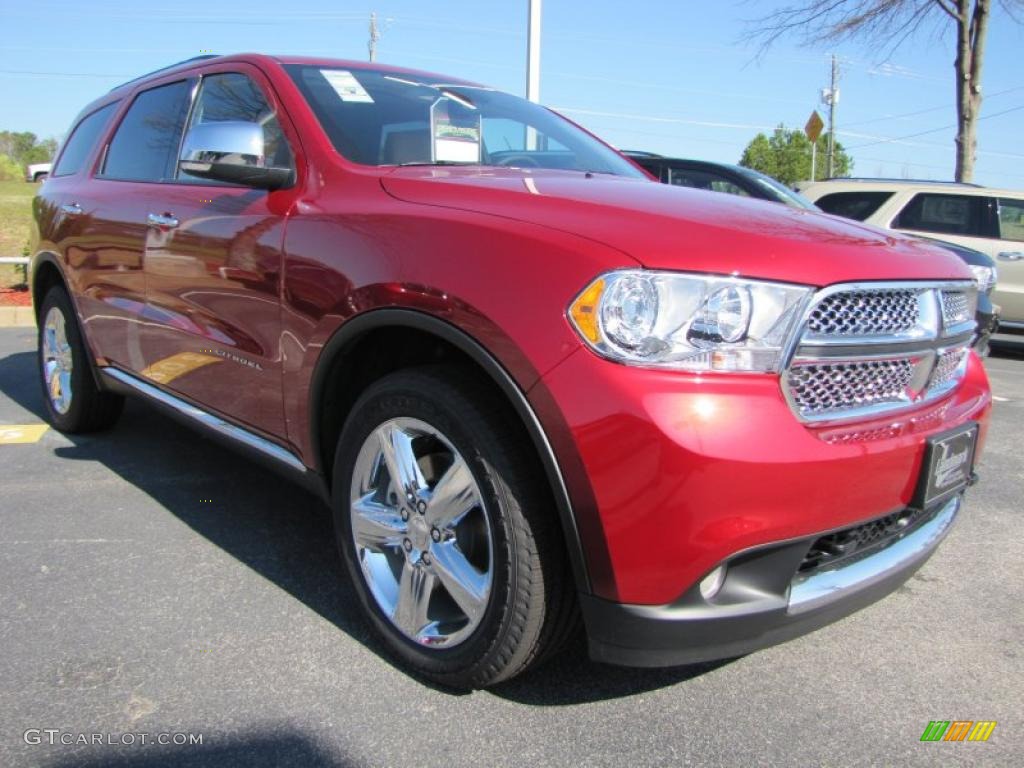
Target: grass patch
{"points": [[15, 220]]}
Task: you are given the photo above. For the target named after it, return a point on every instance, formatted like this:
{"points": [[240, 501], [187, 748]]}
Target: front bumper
{"points": [[672, 474], [763, 600]]}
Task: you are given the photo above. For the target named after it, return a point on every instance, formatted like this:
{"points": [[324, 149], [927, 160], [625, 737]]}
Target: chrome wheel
{"points": [[421, 531], [58, 362]]}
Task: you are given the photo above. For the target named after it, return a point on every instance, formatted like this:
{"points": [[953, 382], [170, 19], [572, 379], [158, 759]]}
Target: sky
{"points": [[672, 77]]}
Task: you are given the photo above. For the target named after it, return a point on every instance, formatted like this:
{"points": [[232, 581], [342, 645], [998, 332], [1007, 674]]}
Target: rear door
{"points": [[213, 268], [111, 229], [980, 222], [1009, 292]]}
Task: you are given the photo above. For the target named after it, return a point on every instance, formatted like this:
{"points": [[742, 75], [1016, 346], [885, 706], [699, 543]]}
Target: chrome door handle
{"points": [[1011, 256], [71, 209], [162, 221]]}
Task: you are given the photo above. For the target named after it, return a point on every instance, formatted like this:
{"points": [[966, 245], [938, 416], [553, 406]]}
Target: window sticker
{"points": [[456, 131], [346, 86]]}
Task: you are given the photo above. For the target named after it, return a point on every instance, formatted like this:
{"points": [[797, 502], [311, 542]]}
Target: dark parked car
{"points": [[737, 180], [718, 177], [985, 275], [536, 387]]}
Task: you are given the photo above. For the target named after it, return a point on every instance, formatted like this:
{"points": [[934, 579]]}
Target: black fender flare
{"points": [[361, 324]]}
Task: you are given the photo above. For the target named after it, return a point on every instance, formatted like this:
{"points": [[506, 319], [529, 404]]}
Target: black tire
{"points": [[531, 610], [89, 409]]}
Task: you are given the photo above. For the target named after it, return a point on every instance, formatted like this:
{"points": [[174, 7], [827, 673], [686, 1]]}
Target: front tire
{"points": [[73, 402], [448, 531]]}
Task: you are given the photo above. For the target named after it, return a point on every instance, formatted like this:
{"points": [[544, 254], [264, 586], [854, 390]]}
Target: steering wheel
{"points": [[518, 161]]}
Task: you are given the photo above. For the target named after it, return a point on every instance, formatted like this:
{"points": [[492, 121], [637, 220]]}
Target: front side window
{"points": [[1011, 219], [80, 142], [946, 214], [780, 192], [233, 97], [853, 205], [712, 182], [145, 146], [378, 118]]}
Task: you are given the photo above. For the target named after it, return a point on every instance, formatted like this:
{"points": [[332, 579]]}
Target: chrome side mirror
{"points": [[230, 151]]}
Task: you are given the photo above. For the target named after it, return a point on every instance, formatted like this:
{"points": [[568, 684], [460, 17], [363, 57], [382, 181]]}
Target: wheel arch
{"points": [[45, 274], [343, 372]]}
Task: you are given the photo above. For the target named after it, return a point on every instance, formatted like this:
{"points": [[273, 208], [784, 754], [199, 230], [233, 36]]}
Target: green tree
{"points": [[24, 148], [884, 25], [786, 155], [10, 170]]}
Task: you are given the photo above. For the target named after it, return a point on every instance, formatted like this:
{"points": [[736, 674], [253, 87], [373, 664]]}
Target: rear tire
{"points": [[73, 402], [515, 603]]}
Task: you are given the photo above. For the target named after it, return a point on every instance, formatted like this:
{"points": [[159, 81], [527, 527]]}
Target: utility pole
{"points": [[374, 36], [533, 53], [831, 98]]}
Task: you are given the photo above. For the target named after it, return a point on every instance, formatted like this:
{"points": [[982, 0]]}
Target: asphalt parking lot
{"points": [[151, 582]]}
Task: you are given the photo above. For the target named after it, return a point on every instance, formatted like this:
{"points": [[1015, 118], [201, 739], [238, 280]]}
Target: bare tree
{"points": [[887, 24]]}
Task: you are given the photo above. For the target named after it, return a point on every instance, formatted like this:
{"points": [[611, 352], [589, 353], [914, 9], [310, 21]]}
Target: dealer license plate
{"points": [[948, 465]]}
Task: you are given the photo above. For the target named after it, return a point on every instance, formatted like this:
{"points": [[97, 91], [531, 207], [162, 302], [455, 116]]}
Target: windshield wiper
{"points": [[433, 162]]}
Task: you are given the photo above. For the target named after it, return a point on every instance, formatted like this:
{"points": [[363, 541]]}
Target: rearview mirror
{"points": [[231, 151]]}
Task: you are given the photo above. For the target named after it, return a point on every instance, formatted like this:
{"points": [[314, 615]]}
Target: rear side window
{"points": [[81, 141], [853, 205], [1011, 219], [145, 146], [656, 169], [947, 214]]}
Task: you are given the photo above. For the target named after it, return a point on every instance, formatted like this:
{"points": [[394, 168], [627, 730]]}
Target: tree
{"points": [[25, 149], [786, 155], [887, 24]]}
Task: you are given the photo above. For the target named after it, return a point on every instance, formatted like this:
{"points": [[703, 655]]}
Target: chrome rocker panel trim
{"points": [[209, 421]]}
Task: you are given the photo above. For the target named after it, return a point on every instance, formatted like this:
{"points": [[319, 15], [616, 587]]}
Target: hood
{"points": [[666, 227]]}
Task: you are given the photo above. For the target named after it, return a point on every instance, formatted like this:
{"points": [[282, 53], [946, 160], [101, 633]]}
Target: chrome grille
{"points": [[956, 308], [872, 348], [946, 367], [865, 313], [821, 389]]}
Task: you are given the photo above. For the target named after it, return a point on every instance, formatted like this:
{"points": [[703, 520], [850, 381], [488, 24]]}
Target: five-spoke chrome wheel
{"points": [[57, 360], [422, 533]]}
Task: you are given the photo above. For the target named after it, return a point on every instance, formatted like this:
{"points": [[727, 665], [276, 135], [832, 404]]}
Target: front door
{"points": [[213, 271]]}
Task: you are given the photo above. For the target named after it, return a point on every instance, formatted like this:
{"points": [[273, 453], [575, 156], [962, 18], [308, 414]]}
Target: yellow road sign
{"points": [[815, 125]]}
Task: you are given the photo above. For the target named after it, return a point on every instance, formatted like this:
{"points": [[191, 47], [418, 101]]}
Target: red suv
{"points": [[534, 385]]}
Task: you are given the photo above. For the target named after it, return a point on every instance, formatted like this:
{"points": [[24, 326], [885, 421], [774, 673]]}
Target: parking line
{"points": [[21, 433]]}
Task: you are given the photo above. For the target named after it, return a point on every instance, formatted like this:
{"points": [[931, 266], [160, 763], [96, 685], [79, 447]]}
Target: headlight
{"points": [[985, 277], [689, 322]]}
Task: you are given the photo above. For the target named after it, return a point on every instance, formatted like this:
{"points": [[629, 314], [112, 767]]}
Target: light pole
{"points": [[533, 53]]}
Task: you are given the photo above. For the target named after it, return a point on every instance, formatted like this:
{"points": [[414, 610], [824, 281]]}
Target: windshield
{"points": [[781, 191], [378, 118]]}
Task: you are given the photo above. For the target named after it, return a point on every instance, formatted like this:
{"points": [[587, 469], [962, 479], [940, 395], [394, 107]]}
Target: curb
{"points": [[17, 317]]}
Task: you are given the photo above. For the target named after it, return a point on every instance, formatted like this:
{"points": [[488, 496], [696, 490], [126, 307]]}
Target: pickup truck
{"points": [[37, 171]]}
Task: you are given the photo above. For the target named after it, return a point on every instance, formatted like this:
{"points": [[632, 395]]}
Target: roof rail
{"points": [[909, 181], [169, 67]]}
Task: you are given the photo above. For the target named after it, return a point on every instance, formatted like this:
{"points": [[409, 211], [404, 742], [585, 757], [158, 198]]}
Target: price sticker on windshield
{"points": [[346, 85]]}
